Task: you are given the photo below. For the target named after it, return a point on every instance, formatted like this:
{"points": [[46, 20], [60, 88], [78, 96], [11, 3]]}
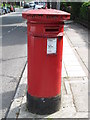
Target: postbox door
{"points": [[44, 68]]}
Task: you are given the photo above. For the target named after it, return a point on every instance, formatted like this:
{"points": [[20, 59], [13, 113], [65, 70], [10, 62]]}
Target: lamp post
{"points": [[58, 5]]}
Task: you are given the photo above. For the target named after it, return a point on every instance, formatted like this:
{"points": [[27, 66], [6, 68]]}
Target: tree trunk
{"points": [[58, 5], [54, 5], [48, 4]]}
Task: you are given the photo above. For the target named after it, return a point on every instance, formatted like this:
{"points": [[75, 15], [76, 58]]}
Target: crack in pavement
{"points": [[3, 60], [8, 76]]}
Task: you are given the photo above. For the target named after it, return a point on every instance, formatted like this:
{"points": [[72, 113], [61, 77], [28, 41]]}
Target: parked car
{"points": [[26, 5], [40, 5], [32, 4]]}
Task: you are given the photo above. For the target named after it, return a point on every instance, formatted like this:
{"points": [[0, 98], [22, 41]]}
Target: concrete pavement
{"points": [[74, 92], [78, 37]]}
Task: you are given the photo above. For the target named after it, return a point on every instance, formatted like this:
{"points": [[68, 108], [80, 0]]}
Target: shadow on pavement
{"points": [[16, 36], [12, 19]]}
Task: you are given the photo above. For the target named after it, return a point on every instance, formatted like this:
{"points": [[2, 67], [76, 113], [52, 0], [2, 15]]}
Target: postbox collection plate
{"points": [[51, 45]]}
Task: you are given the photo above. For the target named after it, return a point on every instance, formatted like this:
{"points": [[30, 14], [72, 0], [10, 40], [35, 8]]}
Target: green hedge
{"points": [[64, 5], [75, 9], [72, 7], [78, 10], [85, 11]]}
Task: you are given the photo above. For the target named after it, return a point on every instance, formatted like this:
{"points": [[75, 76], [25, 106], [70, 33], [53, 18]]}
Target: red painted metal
{"points": [[44, 70], [45, 15]]}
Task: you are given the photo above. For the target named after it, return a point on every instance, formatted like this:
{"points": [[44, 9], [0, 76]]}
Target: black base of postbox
{"points": [[43, 106]]}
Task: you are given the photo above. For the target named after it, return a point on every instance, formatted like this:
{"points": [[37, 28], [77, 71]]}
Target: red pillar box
{"points": [[45, 42]]}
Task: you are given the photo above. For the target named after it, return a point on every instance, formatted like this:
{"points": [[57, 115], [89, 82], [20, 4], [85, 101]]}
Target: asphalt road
{"points": [[13, 54]]}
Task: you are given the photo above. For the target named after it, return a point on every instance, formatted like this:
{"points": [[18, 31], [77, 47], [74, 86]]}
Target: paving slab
{"points": [[64, 74], [84, 54], [74, 68], [67, 87], [80, 94], [82, 115], [75, 73], [71, 62]]}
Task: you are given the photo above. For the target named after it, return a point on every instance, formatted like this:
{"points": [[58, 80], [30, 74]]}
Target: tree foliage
{"points": [[85, 11], [75, 9]]}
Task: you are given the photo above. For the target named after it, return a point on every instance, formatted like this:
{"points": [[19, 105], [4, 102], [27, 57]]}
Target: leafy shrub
{"points": [[64, 5], [85, 11], [75, 9]]}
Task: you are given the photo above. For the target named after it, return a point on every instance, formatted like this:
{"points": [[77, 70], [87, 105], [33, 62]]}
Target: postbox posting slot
{"points": [[52, 29]]}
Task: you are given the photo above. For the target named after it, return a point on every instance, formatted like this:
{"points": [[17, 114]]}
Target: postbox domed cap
{"points": [[46, 15]]}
